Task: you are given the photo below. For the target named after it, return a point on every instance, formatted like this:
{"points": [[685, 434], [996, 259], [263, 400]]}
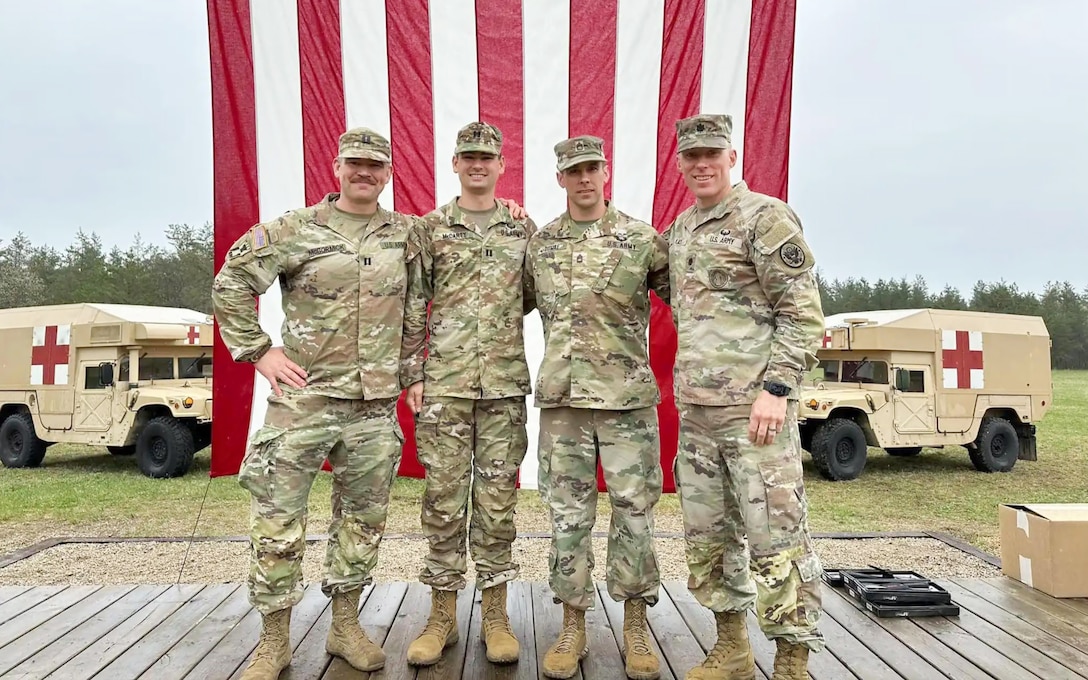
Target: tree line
{"points": [[180, 275]]}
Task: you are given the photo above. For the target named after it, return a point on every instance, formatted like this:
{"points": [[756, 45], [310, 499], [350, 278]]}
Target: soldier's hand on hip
{"points": [[277, 368], [768, 415], [414, 397]]}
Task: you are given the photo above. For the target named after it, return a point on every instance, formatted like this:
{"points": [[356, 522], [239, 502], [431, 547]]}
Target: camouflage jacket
{"points": [[476, 348], [354, 305], [593, 295], [746, 305]]}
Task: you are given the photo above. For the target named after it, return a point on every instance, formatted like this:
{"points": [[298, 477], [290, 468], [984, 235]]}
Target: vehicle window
{"points": [[122, 370], [917, 381], [156, 368], [865, 372], [92, 378], [828, 370], [194, 367]]}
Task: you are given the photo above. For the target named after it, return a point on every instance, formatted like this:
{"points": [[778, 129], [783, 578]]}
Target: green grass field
{"points": [[85, 491]]}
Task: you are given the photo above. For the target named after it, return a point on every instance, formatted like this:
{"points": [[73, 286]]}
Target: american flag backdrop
{"points": [[288, 76]]}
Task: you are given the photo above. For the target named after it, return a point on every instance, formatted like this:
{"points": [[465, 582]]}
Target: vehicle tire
{"points": [[997, 447], [19, 445], [904, 451], [164, 448], [122, 450], [839, 450]]}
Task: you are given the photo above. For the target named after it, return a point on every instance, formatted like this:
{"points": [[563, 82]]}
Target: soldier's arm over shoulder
{"points": [[785, 264], [528, 283], [252, 265], [417, 258], [658, 277]]}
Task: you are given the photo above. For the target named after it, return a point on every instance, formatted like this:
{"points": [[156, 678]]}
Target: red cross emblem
{"points": [[193, 336], [827, 339], [49, 355], [962, 359]]}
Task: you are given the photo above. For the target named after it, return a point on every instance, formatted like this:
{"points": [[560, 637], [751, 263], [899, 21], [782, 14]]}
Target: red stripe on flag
{"points": [[499, 58], [321, 70], [770, 82], [681, 79], [411, 104], [234, 161], [592, 84]]}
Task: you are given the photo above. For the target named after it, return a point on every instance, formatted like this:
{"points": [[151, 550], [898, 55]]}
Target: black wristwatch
{"points": [[776, 388]]}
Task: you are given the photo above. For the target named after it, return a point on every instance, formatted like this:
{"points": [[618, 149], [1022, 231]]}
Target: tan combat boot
{"points": [[273, 652], [642, 663], [562, 658], [790, 662], [502, 645], [347, 639], [731, 658], [440, 631]]}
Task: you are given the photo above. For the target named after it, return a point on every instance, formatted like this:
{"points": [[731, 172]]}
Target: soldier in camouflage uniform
{"points": [[592, 269], [747, 312], [351, 276], [470, 428]]}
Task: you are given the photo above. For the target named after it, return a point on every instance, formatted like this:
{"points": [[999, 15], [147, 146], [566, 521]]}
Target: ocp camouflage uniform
{"points": [[598, 400], [747, 310], [355, 315]]}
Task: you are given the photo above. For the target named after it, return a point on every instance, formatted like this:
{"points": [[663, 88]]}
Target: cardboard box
{"points": [[1045, 546]]}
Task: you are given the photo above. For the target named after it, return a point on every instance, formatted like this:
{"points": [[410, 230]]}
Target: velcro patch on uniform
{"points": [[324, 250], [259, 237], [452, 235], [780, 232], [794, 256], [391, 245], [512, 233], [623, 245], [239, 249], [546, 250]]}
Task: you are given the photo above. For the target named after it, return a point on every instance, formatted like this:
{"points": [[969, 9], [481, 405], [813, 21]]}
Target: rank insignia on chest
{"points": [[488, 252], [579, 258], [366, 261]]}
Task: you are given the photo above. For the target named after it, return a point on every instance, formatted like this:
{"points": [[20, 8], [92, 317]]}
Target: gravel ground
{"points": [[400, 559]]}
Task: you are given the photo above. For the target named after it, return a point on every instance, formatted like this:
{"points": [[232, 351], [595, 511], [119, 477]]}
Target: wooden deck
{"points": [[1005, 632]]}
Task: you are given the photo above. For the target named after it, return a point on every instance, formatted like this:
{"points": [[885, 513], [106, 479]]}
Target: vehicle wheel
{"points": [[839, 450], [122, 450], [19, 444], [164, 448], [996, 448], [904, 451]]}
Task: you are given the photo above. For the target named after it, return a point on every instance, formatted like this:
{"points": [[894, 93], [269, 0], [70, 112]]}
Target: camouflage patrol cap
{"points": [[363, 142], [571, 152], [706, 131], [479, 136]]}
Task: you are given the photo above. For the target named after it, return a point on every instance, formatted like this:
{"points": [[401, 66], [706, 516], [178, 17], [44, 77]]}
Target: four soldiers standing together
{"points": [[357, 282]]}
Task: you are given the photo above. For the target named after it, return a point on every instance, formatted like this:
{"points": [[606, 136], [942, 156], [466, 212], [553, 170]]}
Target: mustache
{"points": [[366, 179]]}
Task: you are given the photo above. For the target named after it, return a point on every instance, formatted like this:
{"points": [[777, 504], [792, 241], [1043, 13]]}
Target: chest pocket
{"points": [[720, 266], [323, 270], [550, 279], [619, 278]]}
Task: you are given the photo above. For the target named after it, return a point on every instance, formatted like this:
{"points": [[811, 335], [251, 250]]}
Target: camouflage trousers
{"points": [[470, 449], [627, 445], [730, 488], [362, 441]]}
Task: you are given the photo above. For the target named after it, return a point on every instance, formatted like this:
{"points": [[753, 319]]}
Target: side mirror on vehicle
{"points": [[902, 379], [105, 375]]}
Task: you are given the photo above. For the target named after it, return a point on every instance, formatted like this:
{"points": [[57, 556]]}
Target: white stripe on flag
{"points": [[366, 71], [638, 80], [725, 67], [456, 88], [277, 85], [546, 32]]}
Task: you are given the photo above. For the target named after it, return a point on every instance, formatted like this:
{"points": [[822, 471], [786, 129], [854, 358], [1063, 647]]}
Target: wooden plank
{"points": [[128, 630], [676, 641], [180, 658], [519, 607], [453, 662], [604, 659], [615, 619], [17, 626], [974, 650], [878, 639], [83, 635], [1068, 610], [1030, 640], [135, 660], [548, 621], [698, 619], [236, 650], [1027, 611], [33, 641], [861, 661], [28, 599], [944, 658], [8, 592], [378, 616]]}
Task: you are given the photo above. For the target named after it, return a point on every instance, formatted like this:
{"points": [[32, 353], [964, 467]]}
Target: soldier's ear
{"points": [[732, 157]]}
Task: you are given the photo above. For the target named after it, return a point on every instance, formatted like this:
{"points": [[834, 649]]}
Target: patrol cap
{"points": [[363, 142], [571, 152], [706, 131], [479, 136]]}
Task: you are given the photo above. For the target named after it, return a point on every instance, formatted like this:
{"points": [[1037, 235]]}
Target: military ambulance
{"points": [[134, 379], [901, 380]]}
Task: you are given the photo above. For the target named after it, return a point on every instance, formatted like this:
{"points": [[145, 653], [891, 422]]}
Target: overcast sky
{"points": [[936, 137]]}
